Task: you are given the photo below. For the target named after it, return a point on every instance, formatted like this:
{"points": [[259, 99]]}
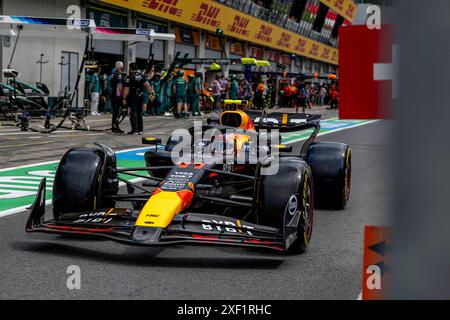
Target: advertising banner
{"points": [[210, 15]]}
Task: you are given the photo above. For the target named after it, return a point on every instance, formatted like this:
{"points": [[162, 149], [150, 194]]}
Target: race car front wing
{"points": [[188, 228]]}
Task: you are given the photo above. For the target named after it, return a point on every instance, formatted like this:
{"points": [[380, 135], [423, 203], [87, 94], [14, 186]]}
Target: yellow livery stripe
{"points": [[160, 210]]}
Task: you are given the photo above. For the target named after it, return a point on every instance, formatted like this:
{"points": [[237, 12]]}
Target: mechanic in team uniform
{"points": [[155, 100], [117, 80], [146, 111], [201, 87], [133, 96], [234, 87], [180, 92], [193, 91]]}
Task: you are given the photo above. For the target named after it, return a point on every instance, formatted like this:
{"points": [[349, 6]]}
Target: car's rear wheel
{"points": [[343, 202], [331, 164]]}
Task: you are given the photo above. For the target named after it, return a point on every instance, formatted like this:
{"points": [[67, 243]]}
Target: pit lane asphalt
{"points": [[34, 266]]}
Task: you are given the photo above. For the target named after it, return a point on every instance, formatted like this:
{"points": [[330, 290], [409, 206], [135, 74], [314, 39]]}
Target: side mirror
{"points": [[151, 141]]}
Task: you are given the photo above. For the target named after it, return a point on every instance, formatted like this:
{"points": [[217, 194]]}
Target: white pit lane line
{"points": [[49, 202], [24, 208], [30, 133], [335, 131]]}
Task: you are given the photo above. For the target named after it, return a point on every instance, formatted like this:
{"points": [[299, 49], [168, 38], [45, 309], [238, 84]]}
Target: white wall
{"points": [[29, 48]]}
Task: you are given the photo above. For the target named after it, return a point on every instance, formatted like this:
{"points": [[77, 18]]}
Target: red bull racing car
{"points": [[203, 202]]}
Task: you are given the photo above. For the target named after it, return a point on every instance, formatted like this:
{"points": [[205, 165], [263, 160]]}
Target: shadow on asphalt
{"points": [[148, 257]]}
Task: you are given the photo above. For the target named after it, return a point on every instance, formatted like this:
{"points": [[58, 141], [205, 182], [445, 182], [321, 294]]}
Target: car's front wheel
{"points": [[84, 181], [286, 202], [306, 216]]}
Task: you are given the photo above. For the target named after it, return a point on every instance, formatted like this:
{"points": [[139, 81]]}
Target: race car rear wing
{"points": [[284, 122], [288, 122]]}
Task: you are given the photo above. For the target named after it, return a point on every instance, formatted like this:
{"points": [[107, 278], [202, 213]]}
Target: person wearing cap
{"points": [[193, 94], [179, 90]]}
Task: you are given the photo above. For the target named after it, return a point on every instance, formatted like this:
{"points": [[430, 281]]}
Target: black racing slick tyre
{"points": [[331, 164], [84, 180], [306, 211], [287, 202]]}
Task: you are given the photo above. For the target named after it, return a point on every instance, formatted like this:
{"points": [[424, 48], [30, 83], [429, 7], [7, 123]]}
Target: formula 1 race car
{"points": [[207, 202]]}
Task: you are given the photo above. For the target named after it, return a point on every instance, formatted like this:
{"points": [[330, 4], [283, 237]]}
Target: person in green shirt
{"points": [[145, 102], [193, 90], [180, 90], [155, 103], [106, 93], [234, 87], [95, 93], [169, 97], [87, 84]]}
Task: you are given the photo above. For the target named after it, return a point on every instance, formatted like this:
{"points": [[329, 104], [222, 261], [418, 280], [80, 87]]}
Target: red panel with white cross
{"points": [[367, 72]]}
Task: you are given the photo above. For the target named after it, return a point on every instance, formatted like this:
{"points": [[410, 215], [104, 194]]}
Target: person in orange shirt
{"points": [[334, 97], [258, 100]]}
